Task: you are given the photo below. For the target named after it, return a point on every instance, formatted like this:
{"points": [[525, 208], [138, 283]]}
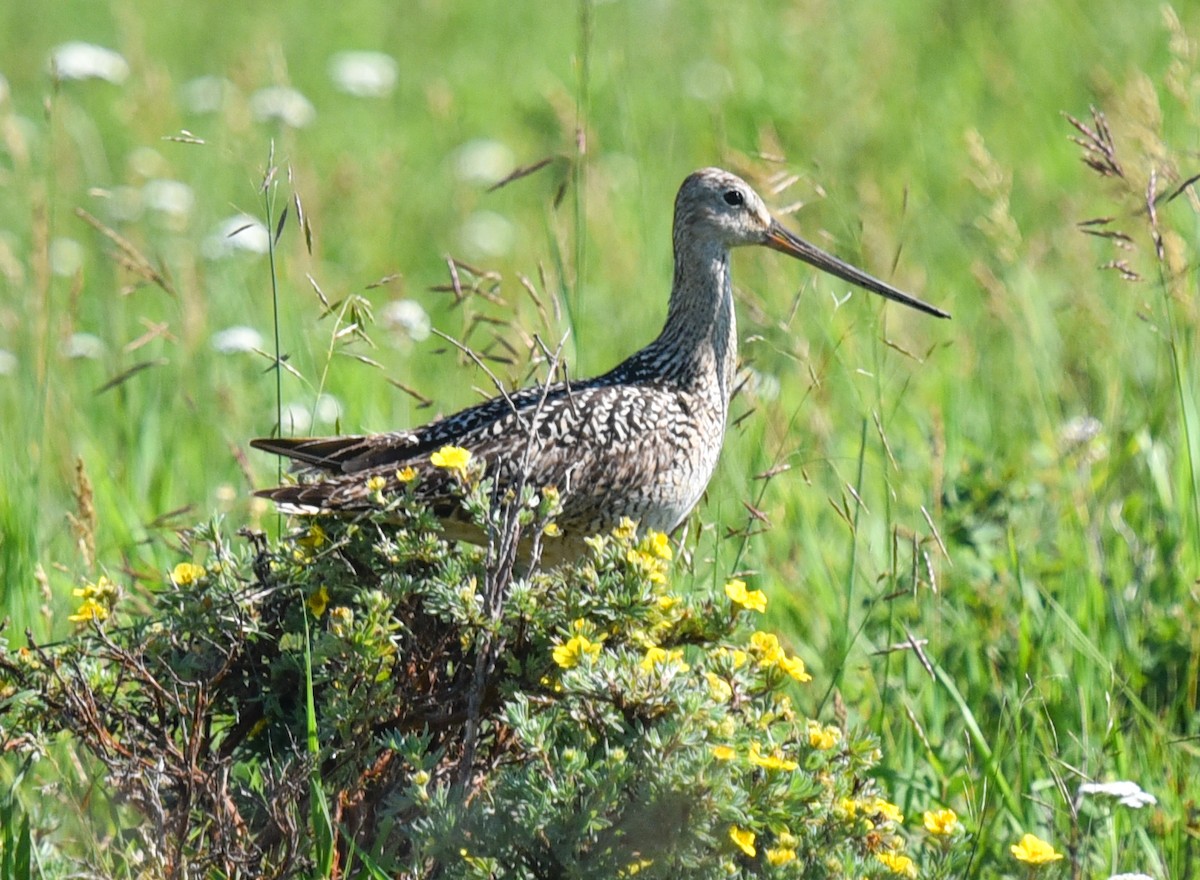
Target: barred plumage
{"points": [[640, 441]]}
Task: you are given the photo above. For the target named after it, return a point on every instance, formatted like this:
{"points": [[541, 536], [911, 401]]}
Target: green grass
{"points": [[929, 146]]}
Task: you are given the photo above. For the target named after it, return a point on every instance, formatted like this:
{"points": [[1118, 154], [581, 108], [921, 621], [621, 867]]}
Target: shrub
{"points": [[361, 698]]}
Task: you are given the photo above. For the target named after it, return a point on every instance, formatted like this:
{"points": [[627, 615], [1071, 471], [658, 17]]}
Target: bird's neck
{"points": [[697, 348]]}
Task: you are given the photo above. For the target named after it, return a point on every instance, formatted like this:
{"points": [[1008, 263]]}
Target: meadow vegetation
{"points": [[981, 536]]}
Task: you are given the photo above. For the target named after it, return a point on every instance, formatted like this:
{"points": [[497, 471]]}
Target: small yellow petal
{"points": [[743, 839], [1032, 850], [780, 856], [723, 753], [453, 458], [752, 600], [571, 653], [318, 601], [186, 573], [898, 864], [941, 823]]}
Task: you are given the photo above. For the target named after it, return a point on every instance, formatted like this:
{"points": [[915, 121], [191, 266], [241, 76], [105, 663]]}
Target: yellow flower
{"points": [[636, 867], [941, 823], [724, 753], [780, 856], [651, 567], [625, 529], [794, 667], [318, 601], [656, 656], [823, 737], [452, 458], [889, 811], [846, 808], [89, 609], [406, 475], [743, 840], [340, 619], [186, 573], [720, 688], [752, 600], [314, 538], [99, 598], [770, 762], [1033, 850], [571, 654], [658, 544], [376, 483], [898, 864], [666, 602], [551, 530], [766, 647]]}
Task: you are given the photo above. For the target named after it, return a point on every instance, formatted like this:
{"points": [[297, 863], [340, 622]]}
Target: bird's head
{"points": [[716, 207]]}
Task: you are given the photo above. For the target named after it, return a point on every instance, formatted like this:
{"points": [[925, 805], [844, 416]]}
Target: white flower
{"points": [[1126, 793], [79, 60], [8, 362], [240, 233], [66, 256], [487, 234], [234, 340], [328, 409], [124, 203], [1080, 430], [761, 386], [407, 317], [207, 94], [483, 161], [363, 74], [706, 80], [284, 104], [84, 346], [1130, 877], [169, 197], [296, 418]]}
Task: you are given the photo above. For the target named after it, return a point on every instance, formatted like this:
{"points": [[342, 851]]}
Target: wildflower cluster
{"points": [[670, 721], [97, 600]]}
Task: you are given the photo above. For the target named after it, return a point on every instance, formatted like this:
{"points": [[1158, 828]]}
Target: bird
{"points": [[639, 442]]}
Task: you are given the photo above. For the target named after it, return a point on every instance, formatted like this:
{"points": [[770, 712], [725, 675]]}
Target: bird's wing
{"points": [[351, 454]]}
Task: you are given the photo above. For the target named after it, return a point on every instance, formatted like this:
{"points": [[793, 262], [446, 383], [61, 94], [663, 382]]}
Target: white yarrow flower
{"points": [[407, 317], [483, 161], [207, 94], [84, 346], [487, 234], [283, 104], [1126, 793], [240, 233], [79, 60], [168, 197], [237, 339], [66, 256], [363, 74]]}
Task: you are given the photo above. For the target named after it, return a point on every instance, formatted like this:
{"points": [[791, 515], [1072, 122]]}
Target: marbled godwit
{"points": [[640, 441]]}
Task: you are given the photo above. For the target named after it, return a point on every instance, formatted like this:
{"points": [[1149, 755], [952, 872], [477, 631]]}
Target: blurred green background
{"points": [[1012, 490]]}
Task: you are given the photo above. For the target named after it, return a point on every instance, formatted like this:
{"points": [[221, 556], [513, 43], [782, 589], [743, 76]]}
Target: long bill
{"points": [[781, 239]]}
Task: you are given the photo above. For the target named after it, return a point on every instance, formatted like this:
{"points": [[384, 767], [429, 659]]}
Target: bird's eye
{"points": [[734, 197]]}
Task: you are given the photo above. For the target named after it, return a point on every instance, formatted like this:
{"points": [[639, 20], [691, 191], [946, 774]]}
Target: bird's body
{"points": [[640, 441]]}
